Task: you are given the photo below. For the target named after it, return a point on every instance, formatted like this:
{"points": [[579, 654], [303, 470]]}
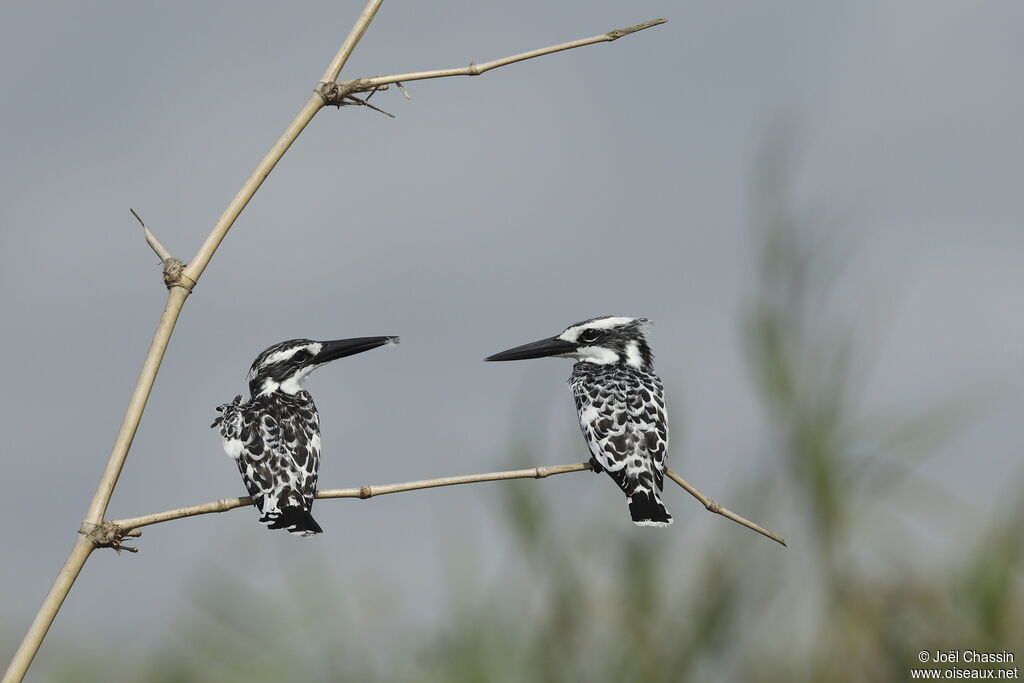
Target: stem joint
{"points": [[109, 535]]}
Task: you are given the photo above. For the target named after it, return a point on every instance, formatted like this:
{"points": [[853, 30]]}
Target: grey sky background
{"points": [[612, 179]]}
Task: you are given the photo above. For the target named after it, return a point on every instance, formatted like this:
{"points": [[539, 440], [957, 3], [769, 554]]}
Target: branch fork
{"points": [[173, 269], [181, 279], [335, 94], [109, 535], [339, 94]]}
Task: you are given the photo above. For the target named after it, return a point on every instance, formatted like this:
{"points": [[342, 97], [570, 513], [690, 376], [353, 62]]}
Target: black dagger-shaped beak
{"points": [[339, 348], [538, 349]]}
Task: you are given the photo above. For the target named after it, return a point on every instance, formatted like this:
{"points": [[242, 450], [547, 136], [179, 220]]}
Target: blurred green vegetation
{"points": [[854, 598]]}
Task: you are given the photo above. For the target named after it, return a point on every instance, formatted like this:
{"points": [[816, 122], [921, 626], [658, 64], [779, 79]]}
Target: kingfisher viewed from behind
{"points": [[274, 437], [621, 405]]}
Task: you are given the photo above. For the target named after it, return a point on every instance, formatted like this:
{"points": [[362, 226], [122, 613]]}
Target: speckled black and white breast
{"points": [[275, 440], [622, 414]]}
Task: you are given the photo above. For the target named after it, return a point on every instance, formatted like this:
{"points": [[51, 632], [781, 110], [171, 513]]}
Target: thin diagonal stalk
{"points": [[364, 492], [477, 69], [51, 604], [154, 244], [137, 403], [354, 36], [714, 507], [94, 532]]}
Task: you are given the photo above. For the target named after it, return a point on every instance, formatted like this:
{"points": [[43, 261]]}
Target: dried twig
{"points": [[151, 239], [364, 492], [177, 293], [174, 270], [361, 84], [712, 506], [352, 99], [181, 279]]}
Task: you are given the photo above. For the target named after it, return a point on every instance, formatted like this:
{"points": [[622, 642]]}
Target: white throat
{"points": [[633, 358], [292, 385], [596, 354]]}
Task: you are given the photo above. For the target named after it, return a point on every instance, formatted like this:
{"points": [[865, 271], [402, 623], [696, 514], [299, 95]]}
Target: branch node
{"points": [[173, 271], [174, 275], [365, 492], [342, 94], [109, 535], [713, 507], [334, 94]]}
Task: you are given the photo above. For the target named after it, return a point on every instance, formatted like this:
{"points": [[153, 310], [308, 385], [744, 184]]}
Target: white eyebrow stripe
{"points": [[285, 354], [573, 333], [605, 323]]}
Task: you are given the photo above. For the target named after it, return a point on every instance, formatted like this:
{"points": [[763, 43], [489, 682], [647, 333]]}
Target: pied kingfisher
{"points": [[274, 437], [621, 405]]}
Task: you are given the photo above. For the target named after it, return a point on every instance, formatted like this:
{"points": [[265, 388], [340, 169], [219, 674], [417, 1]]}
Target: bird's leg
{"points": [[595, 465]]}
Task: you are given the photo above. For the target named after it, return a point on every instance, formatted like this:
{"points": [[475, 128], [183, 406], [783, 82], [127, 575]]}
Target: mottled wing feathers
{"points": [[647, 411], [275, 440], [622, 415]]}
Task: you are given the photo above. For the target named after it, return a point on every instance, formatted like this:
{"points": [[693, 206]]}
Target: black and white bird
{"points": [[621, 405], [274, 437]]}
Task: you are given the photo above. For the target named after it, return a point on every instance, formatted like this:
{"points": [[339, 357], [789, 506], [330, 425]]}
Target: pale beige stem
{"points": [[354, 36], [477, 69], [180, 281], [136, 405], [151, 239], [225, 504], [44, 617], [179, 290], [364, 492], [712, 506], [202, 258]]}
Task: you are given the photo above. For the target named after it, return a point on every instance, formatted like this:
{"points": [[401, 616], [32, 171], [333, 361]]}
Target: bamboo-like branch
{"points": [[362, 492], [362, 84], [125, 526], [714, 507], [173, 268], [151, 239], [316, 102], [180, 281], [354, 36], [178, 292]]}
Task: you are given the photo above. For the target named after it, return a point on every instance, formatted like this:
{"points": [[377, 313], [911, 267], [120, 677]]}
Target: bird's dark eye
{"points": [[301, 356], [589, 336]]}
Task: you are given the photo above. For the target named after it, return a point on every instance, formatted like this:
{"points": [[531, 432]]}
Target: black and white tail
{"points": [[293, 519], [646, 508]]}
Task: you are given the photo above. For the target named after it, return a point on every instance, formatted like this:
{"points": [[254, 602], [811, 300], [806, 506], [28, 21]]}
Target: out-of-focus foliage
{"points": [[575, 602]]}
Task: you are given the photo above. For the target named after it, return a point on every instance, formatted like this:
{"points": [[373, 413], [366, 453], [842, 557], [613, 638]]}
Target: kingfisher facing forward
{"points": [[274, 437], [621, 405]]}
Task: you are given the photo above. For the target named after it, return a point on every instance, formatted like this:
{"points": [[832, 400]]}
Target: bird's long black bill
{"points": [[339, 348], [538, 349]]}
